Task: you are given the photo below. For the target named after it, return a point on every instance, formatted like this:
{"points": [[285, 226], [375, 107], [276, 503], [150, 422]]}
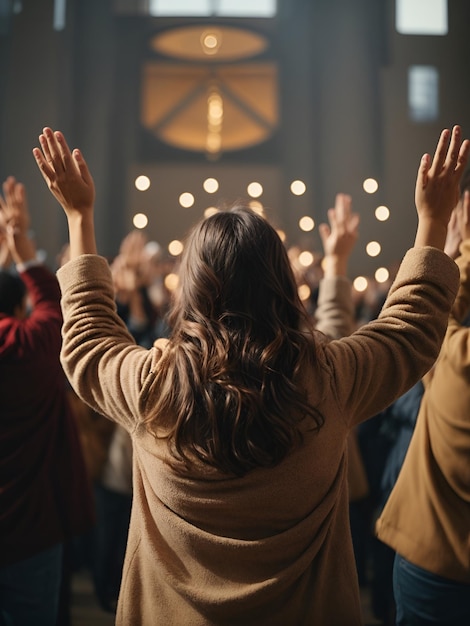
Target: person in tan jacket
{"points": [[426, 519], [240, 420]]}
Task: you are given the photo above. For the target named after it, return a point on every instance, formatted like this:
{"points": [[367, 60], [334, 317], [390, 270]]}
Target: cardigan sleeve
{"points": [[104, 365], [335, 310], [456, 346], [384, 358], [367, 370]]}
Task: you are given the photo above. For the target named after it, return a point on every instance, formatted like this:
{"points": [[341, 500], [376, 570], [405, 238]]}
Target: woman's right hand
{"points": [[437, 187]]}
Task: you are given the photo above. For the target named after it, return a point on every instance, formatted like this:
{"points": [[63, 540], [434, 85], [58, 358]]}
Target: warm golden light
{"points": [[373, 248], [140, 220], [306, 223], [305, 258], [210, 42], [171, 281], [298, 187], [382, 213], [255, 190], [256, 206], [186, 200], [282, 235], [382, 275], [175, 247], [370, 185], [142, 183], [360, 283], [215, 116], [210, 185], [211, 210], [304, 292]]}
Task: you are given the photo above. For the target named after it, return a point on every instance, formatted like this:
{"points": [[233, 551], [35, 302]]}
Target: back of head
{"points": [[12, 292], [235, 269]]}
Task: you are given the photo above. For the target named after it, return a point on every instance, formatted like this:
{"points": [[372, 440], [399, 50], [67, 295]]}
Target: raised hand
{"points": [[14, 206], [69, 180], [15, 222], [340, 236], [65, 173], [437, 187]]}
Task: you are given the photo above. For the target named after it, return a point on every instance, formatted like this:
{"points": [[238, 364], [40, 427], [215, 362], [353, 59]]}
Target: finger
{"points": [[462, 158], [47, 172], [45, 148], [324, 231], [343, 206], [20, 194], [423, 171], [82, 167], [64, 149], [339, 207], [354, 222], [466, 207], [332, 218], [8, 187], [440, 153], [56, 159], [454, 148]]}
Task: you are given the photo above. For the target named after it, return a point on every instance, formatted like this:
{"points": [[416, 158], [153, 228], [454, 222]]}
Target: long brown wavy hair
{"points": [[229, 390]]}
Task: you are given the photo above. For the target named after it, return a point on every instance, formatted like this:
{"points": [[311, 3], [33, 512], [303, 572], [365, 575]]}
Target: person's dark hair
{"points": [[12, 292], [229, 385]]}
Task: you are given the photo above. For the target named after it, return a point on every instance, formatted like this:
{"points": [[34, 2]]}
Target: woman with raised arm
{"points": [[240, 419], [426, 519]]}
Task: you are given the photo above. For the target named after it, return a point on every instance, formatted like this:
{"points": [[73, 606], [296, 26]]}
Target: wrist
{"points": [[82, 234], [23, 249], [334, 265], [431, 232]]}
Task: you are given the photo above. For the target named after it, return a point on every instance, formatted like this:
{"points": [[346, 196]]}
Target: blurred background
{"points": [[182, 107]]}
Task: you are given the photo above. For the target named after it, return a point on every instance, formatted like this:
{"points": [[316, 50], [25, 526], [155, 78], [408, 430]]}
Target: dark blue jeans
{"points": [[29, 590], [423, 598]]}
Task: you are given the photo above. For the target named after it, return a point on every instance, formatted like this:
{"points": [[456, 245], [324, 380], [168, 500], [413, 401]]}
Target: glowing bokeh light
{"points": [[304, 292], [360, 283], [140, 220], [186, 200], [298, 187], [306, 258], [382, 275], [382, 213], [175, 247], [373, 248], [306, 223], [255, 190], [171, 281], [211, 210], [210, 185], [142, 183], [370, 185]]}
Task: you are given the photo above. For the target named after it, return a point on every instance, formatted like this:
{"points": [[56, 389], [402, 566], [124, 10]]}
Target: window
{"points": [[421, 17], [423, 93], [206, 8]]}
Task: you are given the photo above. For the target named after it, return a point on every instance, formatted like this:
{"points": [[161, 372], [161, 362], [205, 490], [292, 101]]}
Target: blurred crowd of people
{"points": [[75, 488]]}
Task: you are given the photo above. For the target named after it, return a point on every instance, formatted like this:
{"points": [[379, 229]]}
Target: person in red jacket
{"points": [[45, 497]]}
